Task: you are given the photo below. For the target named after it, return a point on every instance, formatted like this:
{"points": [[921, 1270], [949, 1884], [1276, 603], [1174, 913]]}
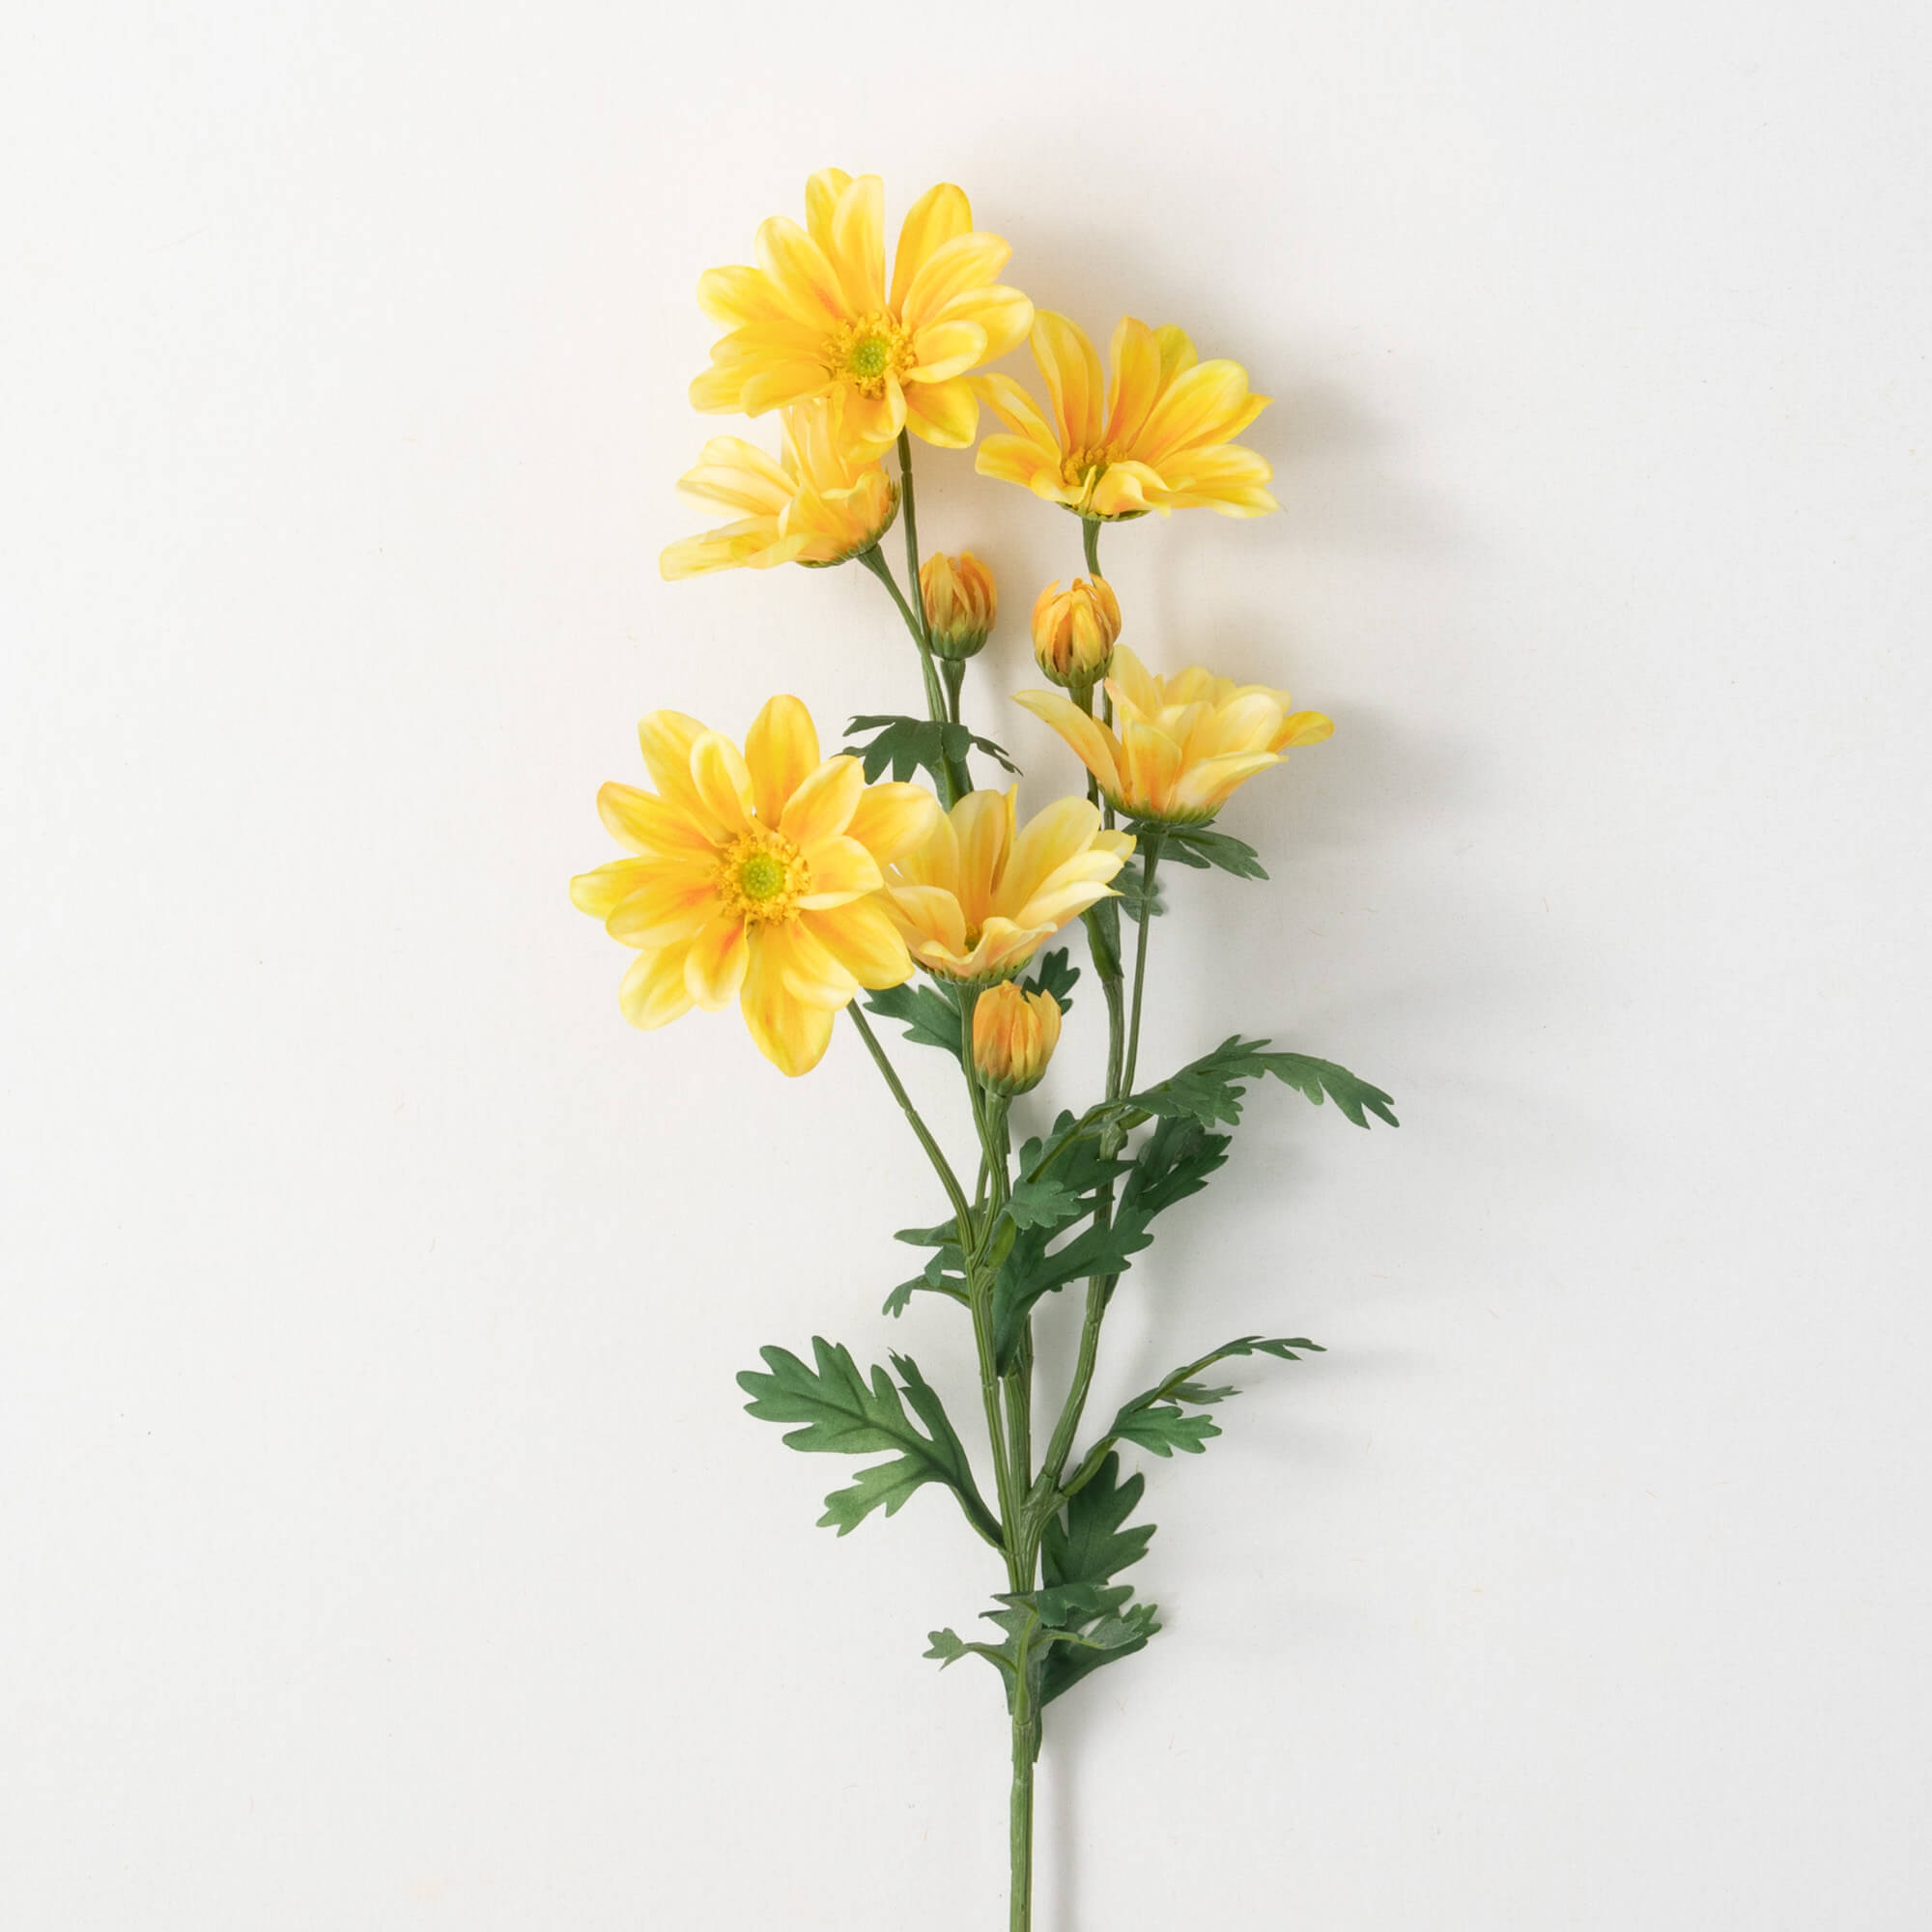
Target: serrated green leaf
{"points": [[1087, 1544], [1052, 974], [1164, 1428], [908, 745], [1210, 1088], [1198, 847], [929, 1018], [945, 1645], [840, 1412]]}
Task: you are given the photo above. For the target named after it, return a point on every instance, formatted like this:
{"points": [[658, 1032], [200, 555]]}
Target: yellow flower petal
{"points": [[653, 991], [721, 783], [782, 751], [640, 822], [823, 805], [891, 818], [821, 199], [1090, 740], [782, 386], [801, 273], [665, 739], [945, 349], [862, 938], [1206, 786], [982, 822], [1067, 826], [841, 870], [934, 219], [966, 262], [714, 968], [1017, 411], [858, 248], [674, 903], [600, 891], [1074, 380], [925, 915], [1135, 385], [791, 1035], [1305, 728]]}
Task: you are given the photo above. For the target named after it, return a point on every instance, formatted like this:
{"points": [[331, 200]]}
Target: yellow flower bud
{"points": [[1075, 630], [959, 602], [1014, 1033]]}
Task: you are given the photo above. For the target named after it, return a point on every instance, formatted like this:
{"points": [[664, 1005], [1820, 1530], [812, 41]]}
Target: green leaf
{"points": [[1173, 1162], [947, 1645], [1157, 1419], [929, 1018], [1198, 847], [1210, 1088], [1051, 974], [916, 744], [1087, 1544], [1164, 1429], [1133, 896], [840, 1412], [1030, 1271]]}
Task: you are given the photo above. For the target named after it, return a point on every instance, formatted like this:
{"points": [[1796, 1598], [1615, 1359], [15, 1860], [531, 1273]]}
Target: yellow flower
{"points": [[756, 876], [816, 316], [1074, 631], [1014, 1033], [960, 602], [1183, 743], [976, 899], [1159, 438], [821, 503]]}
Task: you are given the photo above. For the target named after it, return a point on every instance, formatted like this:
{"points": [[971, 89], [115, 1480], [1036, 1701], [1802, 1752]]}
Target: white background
{"points": [[380, 1540]]}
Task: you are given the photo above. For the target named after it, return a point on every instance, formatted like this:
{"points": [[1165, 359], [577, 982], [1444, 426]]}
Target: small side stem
{"points": [[1089, 537], [958, 774], [941, 1166], [1026, 1748]]}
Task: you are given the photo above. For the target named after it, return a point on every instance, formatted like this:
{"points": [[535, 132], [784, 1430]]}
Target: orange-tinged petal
{"points": [[740, 297], [1074, 382], [841, 870], [934, 219], [722, 782], [858, 250], [643, 822], [821, 199], [1135, 384], [862, 938], [801, 271], [791, 1035], [891, 819], [653, 992], [782, 751], [1004, 313], [1017, 411], [1047, 841], [1132, 685], [782, 386], [945, 414], [714, 968], [927, 914], [1126, 489], [823, 805], [665, 739], [599, 891], [982, 822], [672, 904], [1017, 459], [1092, 742], [1204, 405], [808, 970], [966, 262], [945, 349], [1152, 761], [1206, 786]]}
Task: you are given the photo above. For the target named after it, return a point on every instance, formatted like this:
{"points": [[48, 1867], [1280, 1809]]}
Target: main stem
{"points": [[958, 777]]}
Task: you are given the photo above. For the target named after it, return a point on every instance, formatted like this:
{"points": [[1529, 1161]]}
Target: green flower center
{"points": [[870, 355], [761, 877]]}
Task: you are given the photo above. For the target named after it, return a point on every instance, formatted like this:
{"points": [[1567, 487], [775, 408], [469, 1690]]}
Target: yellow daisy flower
{"points": [[820, 503], [817, 316], [1158, 436], [755, 877], [1182, 743], [976, 899]]}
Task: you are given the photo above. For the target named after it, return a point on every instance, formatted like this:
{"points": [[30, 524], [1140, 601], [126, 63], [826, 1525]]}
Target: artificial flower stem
{"points": [[1026, 1748], [940, 1164], [959, 776], [951, 785], [1150, 858], [1090, 540]]}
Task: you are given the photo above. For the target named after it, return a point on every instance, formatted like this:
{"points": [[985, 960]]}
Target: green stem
{"points": [[935, 698], [1026, 1748], [958, 774], [1149, 859], [1089, 537], [940, 1164]]}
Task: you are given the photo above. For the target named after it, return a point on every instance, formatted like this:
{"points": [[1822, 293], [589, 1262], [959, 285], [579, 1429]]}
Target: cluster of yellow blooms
{"points": [[785, 880]]}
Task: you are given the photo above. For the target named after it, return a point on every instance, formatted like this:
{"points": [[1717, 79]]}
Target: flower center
{"points": [[865, 352], [1086, 465], [762, 877]]}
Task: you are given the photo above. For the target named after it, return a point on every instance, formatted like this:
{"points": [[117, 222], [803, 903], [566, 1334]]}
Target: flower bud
{"points": [[1014, 1033], [959, 602], [1074, 631]]}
